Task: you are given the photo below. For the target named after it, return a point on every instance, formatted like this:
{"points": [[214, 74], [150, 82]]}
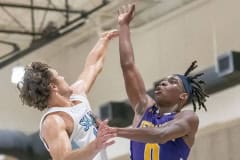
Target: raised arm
{"points": [[55, 134], [185, 124], [93, 64], [134, 84]]}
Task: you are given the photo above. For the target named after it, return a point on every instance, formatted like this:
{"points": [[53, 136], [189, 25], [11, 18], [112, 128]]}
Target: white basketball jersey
{"points": [[84, 130]]}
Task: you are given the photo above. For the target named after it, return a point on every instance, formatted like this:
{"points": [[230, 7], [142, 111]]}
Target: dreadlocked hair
{"points": [[34, 89], [198, 93]]}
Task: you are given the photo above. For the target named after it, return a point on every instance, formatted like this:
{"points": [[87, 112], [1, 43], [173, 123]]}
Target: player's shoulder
{"points": [[78, 87], [52, 127], [189, 115], [53, 121]]}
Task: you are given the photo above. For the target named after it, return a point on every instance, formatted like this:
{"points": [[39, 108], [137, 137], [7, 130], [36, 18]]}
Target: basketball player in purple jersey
{"points": [[161, 130]]}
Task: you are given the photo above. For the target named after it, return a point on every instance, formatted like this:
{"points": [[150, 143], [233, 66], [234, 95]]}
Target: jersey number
{"points": [[151, 151]]}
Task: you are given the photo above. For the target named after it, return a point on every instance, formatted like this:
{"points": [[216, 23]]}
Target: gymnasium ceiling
{"points": [[29, 24]]}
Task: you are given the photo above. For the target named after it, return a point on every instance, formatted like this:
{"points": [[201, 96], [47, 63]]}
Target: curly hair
{"points": [[34, 89]]}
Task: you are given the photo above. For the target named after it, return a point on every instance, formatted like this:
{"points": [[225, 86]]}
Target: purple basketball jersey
{"points": [[175, 149]]}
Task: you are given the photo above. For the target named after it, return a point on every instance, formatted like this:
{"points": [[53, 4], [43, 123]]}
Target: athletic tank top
{"points": [[85, 129], [175, 149]]}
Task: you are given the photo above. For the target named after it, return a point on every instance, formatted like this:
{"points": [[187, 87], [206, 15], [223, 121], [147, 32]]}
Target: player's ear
{"points": [[183, 98]]}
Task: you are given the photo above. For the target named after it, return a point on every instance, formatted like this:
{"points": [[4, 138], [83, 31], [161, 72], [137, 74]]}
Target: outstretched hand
{"points": [[104, 136], [125, 14], [110, 34]]}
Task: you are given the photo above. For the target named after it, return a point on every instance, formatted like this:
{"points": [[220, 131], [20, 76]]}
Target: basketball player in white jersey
{"points": [[68, 129]]}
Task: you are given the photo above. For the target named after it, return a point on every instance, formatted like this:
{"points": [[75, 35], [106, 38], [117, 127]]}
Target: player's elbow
{"points": [[129, 65]]}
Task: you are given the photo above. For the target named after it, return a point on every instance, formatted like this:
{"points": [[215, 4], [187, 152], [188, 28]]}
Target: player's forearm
{"points": [[146, 135], [86, 153], [94, 64], [125, 46], [97, 52]]}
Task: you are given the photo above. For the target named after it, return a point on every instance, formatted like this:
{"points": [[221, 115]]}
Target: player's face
{"points": [[168, 90], [63, 87]]}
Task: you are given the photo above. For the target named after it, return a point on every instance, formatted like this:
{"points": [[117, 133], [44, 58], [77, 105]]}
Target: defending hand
{"points": [[105, 133], [125, 14], [110, 34]]}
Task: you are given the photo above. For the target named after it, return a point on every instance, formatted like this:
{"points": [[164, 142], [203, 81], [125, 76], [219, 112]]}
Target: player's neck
{"points": [[163, 110], [59, 101]]}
